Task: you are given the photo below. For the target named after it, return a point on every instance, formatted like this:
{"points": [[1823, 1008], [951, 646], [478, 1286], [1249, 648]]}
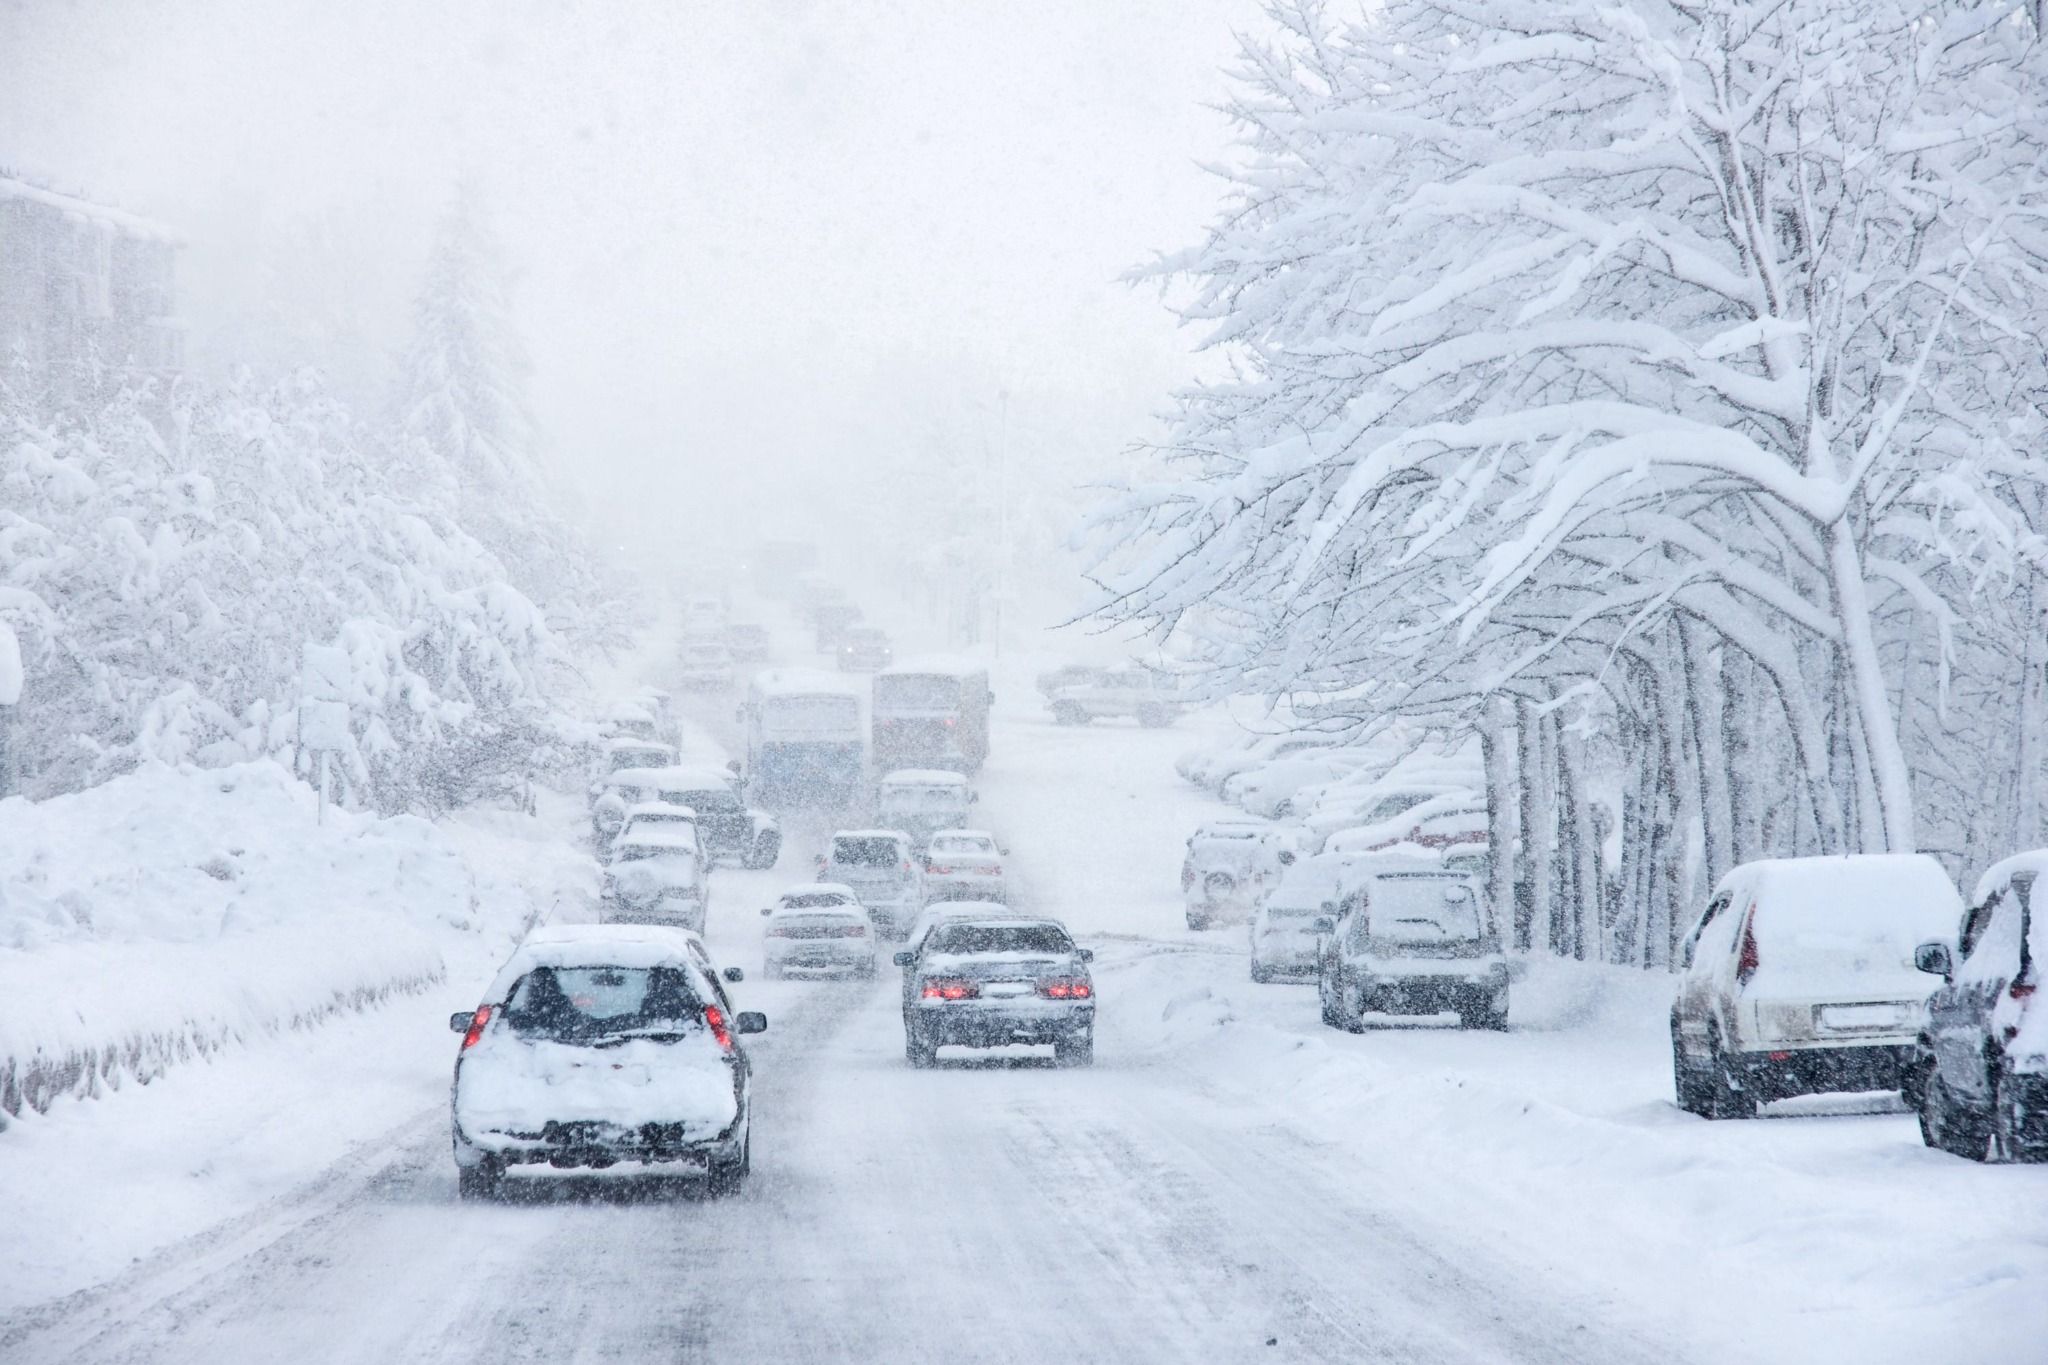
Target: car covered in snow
{"points": [[704, 665], [994, 981], [864, 649], [1800, 976], [616, 793], [1284, 932], [1980, 1073], [1268, 789], [963, 865], [656, 876], [1230, 866], [1412, 937], [817, 927], [1210, 767], [882, 869], [730, 830], [747, 641], [651, 816], [1128, 691], [596, 1045], [922, 801]]}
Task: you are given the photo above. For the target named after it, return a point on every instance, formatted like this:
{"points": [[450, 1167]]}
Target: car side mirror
{"points": [[461, 1022], [734, 975], [1085, 954], [1286, 858], [1935, 960], [1003, 849], [903, 959], [750, 1021], [766, 911]]}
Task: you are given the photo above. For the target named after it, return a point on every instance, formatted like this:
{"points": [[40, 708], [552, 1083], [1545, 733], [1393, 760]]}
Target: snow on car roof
{"points": [[924, 777], [1403, 860], [804, 682], [1906, 892], [821, 889], [869, 834], [596, 945], [2003, 871]]}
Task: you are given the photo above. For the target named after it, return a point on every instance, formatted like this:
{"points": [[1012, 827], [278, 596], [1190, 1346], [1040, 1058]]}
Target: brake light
{"points": [[938, 871], [1065, 990], [476, 1026], [2020, 990], [1746, 966], [942, 988], [715, 1017]]}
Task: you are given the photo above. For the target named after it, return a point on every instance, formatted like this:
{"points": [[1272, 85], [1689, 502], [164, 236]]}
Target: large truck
{"points": [[931, 713], [806, 743]]}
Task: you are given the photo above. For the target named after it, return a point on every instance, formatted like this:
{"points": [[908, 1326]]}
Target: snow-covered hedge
{"points": [[170, 912]]}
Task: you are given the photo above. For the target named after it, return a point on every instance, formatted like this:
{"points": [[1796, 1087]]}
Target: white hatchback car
{"points": [[817, 927], [601, 1044], [963, 865]]}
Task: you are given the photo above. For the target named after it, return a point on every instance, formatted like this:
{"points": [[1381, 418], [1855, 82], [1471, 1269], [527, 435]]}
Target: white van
{"points": [[1799, 977]]}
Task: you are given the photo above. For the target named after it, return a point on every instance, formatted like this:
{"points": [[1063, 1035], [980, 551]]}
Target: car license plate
{"points": [[1007, 989], [1862, 1017]]}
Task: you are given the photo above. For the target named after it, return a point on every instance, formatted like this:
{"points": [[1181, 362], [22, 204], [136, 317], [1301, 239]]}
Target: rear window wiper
{"points": [[659, 1035]]}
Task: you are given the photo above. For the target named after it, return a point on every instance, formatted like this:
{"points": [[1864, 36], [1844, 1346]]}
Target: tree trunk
{"points": [[1502, 808], [1875, 723]]}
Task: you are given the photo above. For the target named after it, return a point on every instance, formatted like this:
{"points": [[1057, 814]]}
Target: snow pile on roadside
{"points": [[1560, 1137], [169, 912]]}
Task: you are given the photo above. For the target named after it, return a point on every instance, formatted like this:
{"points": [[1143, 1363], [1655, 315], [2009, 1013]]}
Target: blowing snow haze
{"points": [[760, 254], [1261, 680]]}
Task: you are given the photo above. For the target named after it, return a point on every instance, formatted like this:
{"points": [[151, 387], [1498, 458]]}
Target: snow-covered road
{"points": [[1231, 1181]]}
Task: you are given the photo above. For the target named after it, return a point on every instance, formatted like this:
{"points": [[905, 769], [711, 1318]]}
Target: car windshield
{"points": [[576, 1003], [918, 690], [999, 938], [1423, 907], [872, 851]]}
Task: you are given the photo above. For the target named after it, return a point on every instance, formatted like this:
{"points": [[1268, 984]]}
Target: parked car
{"points": [[1067, 675], [656, 877], [963, 865], [1211, 768], [921, 802], [598, 1044], [1268, 789], [818, 927], [995, 981], [1132, 691], [729, 829], [1229, 868], [1387, 807], [864, 649], [1284, 929], [878, 864], [1447, 820], [747, 641], [1799, 977], [1413, 937], [1980, 1071]]}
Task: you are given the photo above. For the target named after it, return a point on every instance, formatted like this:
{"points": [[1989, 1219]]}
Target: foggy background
{"points": [[785, 258]]}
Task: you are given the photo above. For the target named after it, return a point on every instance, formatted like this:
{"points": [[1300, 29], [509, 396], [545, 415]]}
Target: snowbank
{"points": [[167, 913]]}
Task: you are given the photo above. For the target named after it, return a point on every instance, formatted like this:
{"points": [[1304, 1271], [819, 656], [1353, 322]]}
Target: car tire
{"points": [[1948, 1126], [481, 1181], [1481, 1014], [1691, 1086], [728, 1178], [1078, 1050], [1727, 1098], [917, 1051], [1323, 1000], [2012, 1137], [1069, 713], [1199, 921], [1260, 975]]}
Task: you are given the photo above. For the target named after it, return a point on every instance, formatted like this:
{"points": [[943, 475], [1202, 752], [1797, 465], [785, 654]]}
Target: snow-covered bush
{"points": [[1649, 388]]}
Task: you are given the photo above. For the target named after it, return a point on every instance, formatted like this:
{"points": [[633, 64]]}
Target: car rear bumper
{"points": [[595, 1146], [995, 1024], [1783, 1072], [826, 957]]}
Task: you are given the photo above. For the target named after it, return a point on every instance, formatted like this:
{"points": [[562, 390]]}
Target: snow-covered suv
{"points": [[1412, 937], [1980, 1074], [1799, 977], [599, 1044], [878, 865]]}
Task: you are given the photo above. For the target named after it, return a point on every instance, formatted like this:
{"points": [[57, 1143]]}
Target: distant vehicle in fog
{"points": [[1068, 675], [805, 739], [703, 615], [612, 795], [831, 620], [880, 867], [818, 927], [656, 876], [931, 713], [1284, 932], [1129, 691], [921, 802], [629, 751], [748, 642], [1980, 1073], [1799, 977], [1412, 937], [729, 829], [863, 649], [995, 981], [704, 665], [1230, 866], [963, 865], [596, 1045]]}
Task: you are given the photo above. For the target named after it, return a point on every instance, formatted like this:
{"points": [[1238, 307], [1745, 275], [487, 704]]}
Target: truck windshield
{"points": [[813, 715], [917, 691], [570, 1004]]}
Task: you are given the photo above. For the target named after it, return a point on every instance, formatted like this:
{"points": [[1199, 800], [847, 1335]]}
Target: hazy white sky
{"points": [[756, 242]]}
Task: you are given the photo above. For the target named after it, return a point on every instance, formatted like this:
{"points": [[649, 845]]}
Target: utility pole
{"points": [[1002, 511]]}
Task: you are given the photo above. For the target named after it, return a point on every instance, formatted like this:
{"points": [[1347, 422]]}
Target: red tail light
{"points": [[476, 1026], [1746, 966], [715, 1017], [2020, 990], [940, 871], [948, 988], [852, 931], [780, 933], [1065, 990]]}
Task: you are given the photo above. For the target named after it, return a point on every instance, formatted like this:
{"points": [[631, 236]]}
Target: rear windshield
{"points": [[1422, 908], [815, 901], [918, 690], [573, 1003], [999, 938], [640, 853], [869, 852]]}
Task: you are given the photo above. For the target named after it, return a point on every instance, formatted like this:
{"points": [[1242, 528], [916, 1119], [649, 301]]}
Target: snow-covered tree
{"points": [[1670, 367]]}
